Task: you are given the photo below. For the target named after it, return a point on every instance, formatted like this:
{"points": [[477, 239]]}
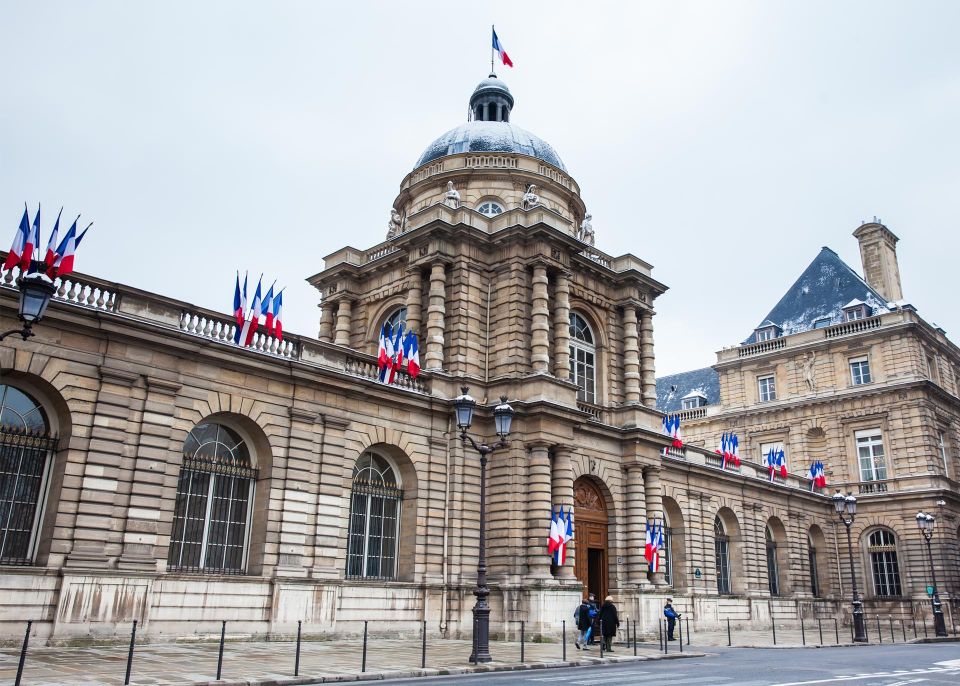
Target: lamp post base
{"points": [[939, 625], [859, 623], [481, 635]]}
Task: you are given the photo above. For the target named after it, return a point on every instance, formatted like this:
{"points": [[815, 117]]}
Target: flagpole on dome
{"points": [[493, 32]]}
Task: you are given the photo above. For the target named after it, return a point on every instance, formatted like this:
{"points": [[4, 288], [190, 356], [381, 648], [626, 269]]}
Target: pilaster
{"points": [[562, 486], [436, 312], [561, 327], [344, 315], [414, 299], [636, 510], [631, 355], [540, 322], [538, 510], [648, 374], [653, 501]]}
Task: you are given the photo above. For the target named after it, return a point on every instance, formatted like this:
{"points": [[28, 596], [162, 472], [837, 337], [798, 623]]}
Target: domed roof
{"points": [[494, 84], [490, 136]]}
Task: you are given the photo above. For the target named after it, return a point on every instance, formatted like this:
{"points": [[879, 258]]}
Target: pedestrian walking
{"points": [[672, 617], [609, 621], [584, 615]]}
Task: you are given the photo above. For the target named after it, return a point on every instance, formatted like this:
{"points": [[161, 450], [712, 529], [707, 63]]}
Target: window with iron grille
{"points": [[583, 359], [882, 548], [211, 518], [26, 454], [374, 519], [814, 577], [666, 556], [773, 572], [721, 549]]}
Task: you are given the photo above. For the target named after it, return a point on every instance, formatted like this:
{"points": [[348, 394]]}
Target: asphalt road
{"points": [[898, 665]]}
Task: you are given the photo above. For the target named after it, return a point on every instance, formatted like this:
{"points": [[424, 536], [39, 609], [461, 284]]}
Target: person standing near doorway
{"points": [[672, 616], [584, 615], [609, 621]]}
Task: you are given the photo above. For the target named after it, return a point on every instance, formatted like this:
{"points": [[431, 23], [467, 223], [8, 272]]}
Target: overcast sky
{"points": [[723, 142]]}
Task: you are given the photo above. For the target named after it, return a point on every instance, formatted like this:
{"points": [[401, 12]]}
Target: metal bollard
{"points": [[913, 618], [903, 628], [925, 627], [803, 632], [687, 620], [879, 630], [296, 660], [564, 640], [836, 629], [602, 641], [522, 623], [634, 637], [423, 647], [363, 659], [773, 627], [133, 639], [729, 640], [892, 639], [680, 629], [23, 652], [660, 634], [223, 636], [666, 643], [820, 629]]}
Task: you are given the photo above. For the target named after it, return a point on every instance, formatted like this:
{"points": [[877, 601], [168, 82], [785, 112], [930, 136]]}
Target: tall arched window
{"points": [[773, 571], [721, 549], [211, 518], [397, 318], [374, 519], [882, 548], [666, 556], [814, 574], [583, 359], [26, 453]]}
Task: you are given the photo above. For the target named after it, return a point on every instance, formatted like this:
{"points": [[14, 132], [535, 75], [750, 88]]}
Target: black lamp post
{"points": [[35, 293], [464, 406], [926, 522], [846, 507]]}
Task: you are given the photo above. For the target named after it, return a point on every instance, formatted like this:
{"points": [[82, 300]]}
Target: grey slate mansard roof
{"points": [[821, 292], [671, 389], [490, 136]]}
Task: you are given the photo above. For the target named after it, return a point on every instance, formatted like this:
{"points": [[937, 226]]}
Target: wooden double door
{"points": [[590, 522]]}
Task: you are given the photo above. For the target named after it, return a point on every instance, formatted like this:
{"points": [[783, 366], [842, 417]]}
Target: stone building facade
{"points": [[153, 470]]}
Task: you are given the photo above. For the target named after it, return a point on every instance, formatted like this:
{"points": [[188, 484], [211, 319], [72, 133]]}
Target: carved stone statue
{"points": [[453, 197], [395, 225], [530, 198], [585, 233], [806, 368]]}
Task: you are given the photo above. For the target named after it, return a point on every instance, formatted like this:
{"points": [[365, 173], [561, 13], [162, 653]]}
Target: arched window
{"points": [[211, 518], [882, 548], [490, 209], [583, 359], [374, 519], [814, 575], [397, 318], [666, 556], [721, 549], [26, 453], [773, 572]]}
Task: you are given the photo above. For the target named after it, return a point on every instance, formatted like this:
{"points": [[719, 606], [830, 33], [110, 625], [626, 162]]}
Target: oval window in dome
{"points": [[490, 209]]}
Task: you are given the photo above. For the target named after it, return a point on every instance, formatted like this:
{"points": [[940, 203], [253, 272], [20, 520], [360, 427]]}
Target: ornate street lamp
{"points": [[464, 406], [35, 293], [846, 507], [925, 523]]}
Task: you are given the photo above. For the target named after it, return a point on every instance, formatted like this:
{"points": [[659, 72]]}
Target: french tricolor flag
{"points": [[253, 321], [239, 300], [277, 310], [51, 255], [498, 48], [411, 351], [19, 241], [63, 264]]}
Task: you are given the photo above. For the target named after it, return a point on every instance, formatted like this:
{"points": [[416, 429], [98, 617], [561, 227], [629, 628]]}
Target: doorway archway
{"points": [[590, 519]]}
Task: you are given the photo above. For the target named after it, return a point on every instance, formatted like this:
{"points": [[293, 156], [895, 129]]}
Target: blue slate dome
{"points": [[490, 129]]}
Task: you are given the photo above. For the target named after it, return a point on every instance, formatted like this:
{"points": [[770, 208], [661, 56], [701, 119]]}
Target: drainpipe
{"points": [[446, 517]]}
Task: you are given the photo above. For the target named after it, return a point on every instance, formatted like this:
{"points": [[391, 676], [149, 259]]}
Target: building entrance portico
{"points": [[590, 520]]}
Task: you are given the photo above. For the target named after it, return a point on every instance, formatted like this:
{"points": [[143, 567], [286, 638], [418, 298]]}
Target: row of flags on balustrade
{"points": [[397, 346], [58, 258], [269, 307], [729, 450], [671, 427], [653, 545], [776, 462]]}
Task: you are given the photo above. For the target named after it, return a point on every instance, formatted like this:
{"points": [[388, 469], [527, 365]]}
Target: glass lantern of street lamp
{"points": [[35, 294], [503, 418], [464, 406], [838, 502], [851, 504], [925, 521]]}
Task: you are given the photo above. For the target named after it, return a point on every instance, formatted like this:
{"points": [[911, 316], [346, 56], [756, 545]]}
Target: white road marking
{"points": [[858, 677]]}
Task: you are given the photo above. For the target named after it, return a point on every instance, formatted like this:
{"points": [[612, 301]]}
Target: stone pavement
{"points": [[264, 663]]}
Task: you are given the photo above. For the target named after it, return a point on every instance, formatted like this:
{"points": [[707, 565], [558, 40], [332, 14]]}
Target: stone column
{"points": [[414, 296], [298, 493], [648, 377], [653, 500], [436, 310], [538, 511], [326, 322], [344, 313], [631, 356], [562, 482], [636, 510], [561, 328], [540, 323]]}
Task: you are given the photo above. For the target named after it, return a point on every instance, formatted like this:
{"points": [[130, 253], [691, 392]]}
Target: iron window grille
{"points": [[882, 547], [374, 534], [773, 572], [721, 549], [814, 576]]}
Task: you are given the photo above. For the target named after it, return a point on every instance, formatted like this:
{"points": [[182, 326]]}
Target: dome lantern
{"points": [[491, 100]]}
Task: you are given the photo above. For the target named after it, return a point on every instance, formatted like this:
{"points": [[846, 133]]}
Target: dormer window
{"points": [[822, 323], [767, 332], [490, 209], [856, 310], [693, 400]]}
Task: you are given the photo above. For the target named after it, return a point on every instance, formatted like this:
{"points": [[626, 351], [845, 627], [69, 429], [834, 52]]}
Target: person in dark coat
{"points": [[672, 617], [584, 615], [609, 621]]}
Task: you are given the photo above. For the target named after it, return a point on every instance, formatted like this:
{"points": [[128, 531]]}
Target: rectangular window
{"points": [[765, 449], [822, 323], [854, 313], [942, 447], [764, 334], [767, 388], [870, 455], [931, 368], [814, 579], [860, 371]]}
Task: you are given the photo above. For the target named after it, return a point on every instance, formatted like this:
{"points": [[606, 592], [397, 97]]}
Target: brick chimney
{"points": [[878, 252]]}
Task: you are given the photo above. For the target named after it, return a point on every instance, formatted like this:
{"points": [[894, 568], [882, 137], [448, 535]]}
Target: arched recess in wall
{"points": [[728, 545], [382, 528], [777, 557], [38, 462], [221, 510], [676, 544], [818, 564]]}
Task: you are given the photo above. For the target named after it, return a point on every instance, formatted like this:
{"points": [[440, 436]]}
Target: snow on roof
{"points": [[695, 393], [856, 302], [671, 390]]}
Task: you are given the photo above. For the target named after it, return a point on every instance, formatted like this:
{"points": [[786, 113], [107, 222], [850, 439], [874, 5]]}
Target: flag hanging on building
{"points": [[239, 300], [411, 351], [31, 244], [735, 450], [648, 544], [19, 240], [267, 308], [723, 451], [66, 251], [817, 475], [656, 544], [278, 316], [498, 48], [384, 352], [782, 463], [396, 358], [252, 322], [554, 537], [51, 255], [567, 534]]}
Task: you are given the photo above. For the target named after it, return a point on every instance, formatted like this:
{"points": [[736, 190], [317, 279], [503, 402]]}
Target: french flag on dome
{"points": [[19, 241], [498, 48]]}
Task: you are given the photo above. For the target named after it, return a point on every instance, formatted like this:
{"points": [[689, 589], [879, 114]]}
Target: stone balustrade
{"points": [[747, 470], [854, 327]]}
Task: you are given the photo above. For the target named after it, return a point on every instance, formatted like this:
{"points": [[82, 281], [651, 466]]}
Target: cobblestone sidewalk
{"points": [[273, 662]]}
